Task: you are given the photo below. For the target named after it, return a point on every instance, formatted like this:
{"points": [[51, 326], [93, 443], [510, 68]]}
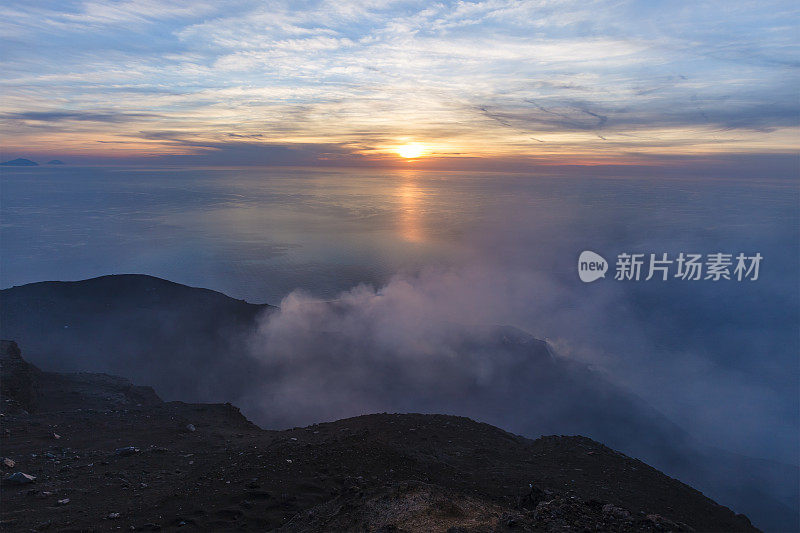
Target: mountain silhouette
{"points": [[20, 162]]}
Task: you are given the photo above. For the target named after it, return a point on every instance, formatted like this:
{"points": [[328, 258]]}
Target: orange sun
{"points": [[411, 150]]}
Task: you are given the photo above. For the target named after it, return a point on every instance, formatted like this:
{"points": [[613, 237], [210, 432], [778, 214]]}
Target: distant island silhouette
{"points": [[20, 162], [55, 162]]}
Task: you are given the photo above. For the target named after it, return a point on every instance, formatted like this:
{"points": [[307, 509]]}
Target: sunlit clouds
{"points": [[354, 81]]}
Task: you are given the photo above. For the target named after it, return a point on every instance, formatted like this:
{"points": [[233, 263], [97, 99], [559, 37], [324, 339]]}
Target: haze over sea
{"points": [[506, 244]]}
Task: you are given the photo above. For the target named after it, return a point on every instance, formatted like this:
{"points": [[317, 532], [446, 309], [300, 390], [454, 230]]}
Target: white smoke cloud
{"points": [[425, 341]]}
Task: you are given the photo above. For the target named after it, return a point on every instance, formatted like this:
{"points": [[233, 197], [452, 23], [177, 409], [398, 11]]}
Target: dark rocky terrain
{"points": [[192, 344], [147, 329], [109, 455]]}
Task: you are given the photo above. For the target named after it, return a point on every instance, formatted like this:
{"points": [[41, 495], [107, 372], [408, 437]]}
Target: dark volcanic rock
{"points": [[25, 388], [19, 478], [18, 390], [187, 343], [380, 472]]}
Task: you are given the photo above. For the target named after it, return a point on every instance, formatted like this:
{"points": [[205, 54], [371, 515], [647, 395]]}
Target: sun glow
{"points": [[411, 150]]}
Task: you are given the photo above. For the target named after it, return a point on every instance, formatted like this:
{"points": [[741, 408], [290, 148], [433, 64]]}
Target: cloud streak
{"points": [[59, 116]]}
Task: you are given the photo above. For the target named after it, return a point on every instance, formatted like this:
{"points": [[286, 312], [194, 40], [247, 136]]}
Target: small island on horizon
{"points": [[20, 162]]}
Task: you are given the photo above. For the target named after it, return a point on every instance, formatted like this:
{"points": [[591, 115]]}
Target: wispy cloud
{"points": [[58, 116], [493, 79]]}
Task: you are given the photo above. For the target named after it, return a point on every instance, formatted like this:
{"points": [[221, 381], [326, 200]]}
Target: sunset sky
{"points": [[357, 82]]}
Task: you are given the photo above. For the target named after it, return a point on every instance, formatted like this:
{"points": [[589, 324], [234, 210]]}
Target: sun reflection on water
{"points": [[411, 204]]}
